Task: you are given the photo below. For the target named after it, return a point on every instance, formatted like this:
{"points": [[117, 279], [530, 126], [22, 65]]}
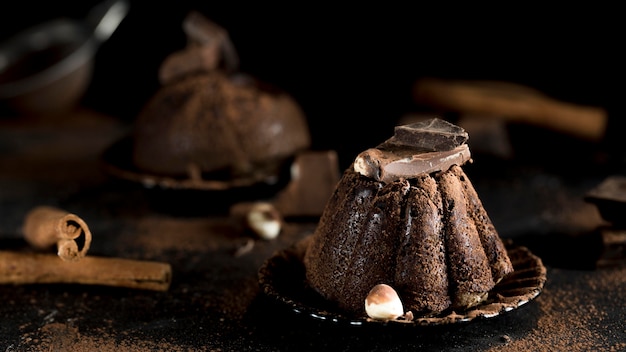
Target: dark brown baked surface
{"points": [[428, 237], [213, 122]]}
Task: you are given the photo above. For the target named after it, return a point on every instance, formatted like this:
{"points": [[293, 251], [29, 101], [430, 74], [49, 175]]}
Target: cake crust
{"points": [[422, 243], [469, 269]]}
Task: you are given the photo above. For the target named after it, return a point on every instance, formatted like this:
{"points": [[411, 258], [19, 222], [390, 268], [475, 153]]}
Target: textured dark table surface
{"points": [[214, 302]]}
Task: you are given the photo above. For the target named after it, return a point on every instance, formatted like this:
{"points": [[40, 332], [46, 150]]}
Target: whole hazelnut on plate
{"points": [[264, 220], [383, 303]]}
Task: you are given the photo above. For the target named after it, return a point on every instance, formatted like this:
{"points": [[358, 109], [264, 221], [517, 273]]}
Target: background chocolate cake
{"points": [[225, 125], [209, 120]]}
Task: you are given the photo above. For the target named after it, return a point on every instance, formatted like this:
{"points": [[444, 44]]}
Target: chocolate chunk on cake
{"points": [[431, 135], [406, 215]]}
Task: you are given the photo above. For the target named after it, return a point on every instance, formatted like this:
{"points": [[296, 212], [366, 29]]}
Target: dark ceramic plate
{"points": [[282, 277], [117, 161]]}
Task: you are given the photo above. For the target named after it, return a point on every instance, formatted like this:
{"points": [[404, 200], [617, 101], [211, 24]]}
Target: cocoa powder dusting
{"points": [[68, 338], [569, 322], [155, 235]]}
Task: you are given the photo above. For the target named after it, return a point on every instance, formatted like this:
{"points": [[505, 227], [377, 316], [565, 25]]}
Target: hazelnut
{"points": [[264, 220], [367, 164], [383, 303]]}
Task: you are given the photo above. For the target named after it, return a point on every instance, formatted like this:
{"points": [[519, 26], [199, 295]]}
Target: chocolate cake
{"points": [[209, 119], [217, 123], [405, 214]]}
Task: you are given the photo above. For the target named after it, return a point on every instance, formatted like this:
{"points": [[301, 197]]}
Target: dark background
{"points": [[352, 68]]}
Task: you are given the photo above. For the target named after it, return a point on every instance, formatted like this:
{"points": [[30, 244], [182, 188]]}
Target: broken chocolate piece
{"points": [[208, 48], [433, 135], [314, 175], [391, 165], [610, 199], [614, 248]]}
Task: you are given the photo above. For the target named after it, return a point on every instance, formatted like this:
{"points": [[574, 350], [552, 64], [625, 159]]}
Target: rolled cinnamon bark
{"points": [[45, 226], [40, 268]]}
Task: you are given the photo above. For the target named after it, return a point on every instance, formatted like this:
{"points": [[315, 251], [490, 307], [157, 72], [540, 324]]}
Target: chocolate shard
{"points": [[314, 175], [610, 199], [391, 165], [433, 135]]}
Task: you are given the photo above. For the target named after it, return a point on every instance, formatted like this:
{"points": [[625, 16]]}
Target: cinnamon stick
{"points": [[46, 226], [512, 102], [40, 268]]}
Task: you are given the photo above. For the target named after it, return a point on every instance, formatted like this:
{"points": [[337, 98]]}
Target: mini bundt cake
{"points": [[406, 215], [207, 118]]}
